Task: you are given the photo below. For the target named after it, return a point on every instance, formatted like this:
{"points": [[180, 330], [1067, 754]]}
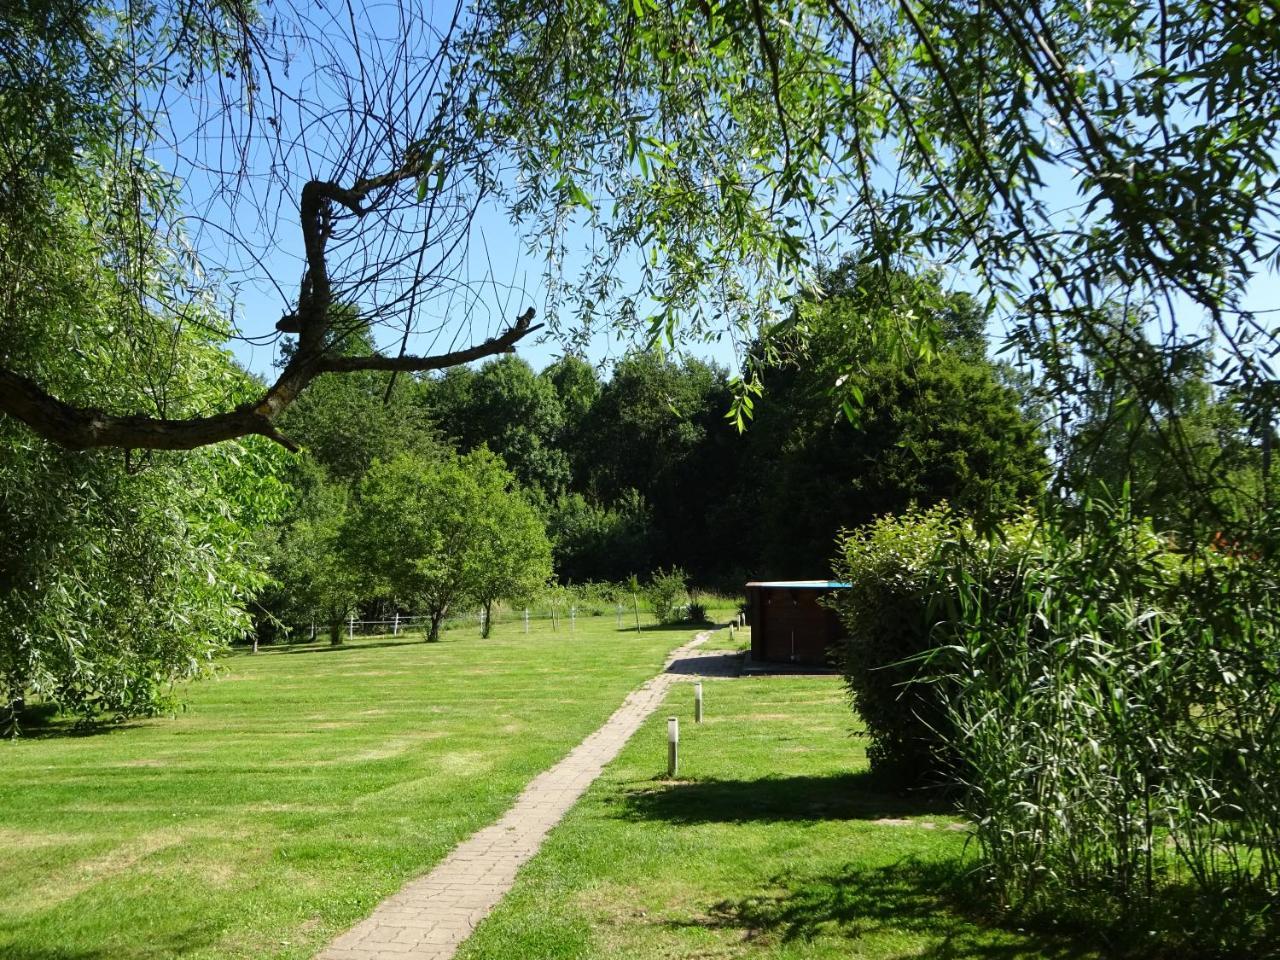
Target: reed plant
{"points": [[1112, 704]]}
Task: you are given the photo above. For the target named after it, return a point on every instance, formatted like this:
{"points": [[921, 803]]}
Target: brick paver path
{"points": [[431, 916]]}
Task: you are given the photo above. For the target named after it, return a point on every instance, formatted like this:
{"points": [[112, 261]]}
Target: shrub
{"points": [[697, 612], [1106, 704], [668, 595], [893, 618]]}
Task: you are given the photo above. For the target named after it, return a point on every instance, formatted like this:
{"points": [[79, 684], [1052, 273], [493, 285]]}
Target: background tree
{"points": [[932, 428], [577, 386], [313, 573], [511, 410], [514, 560], [346, 422], [425, 531], [596, 542], [651, 431], [344, 425]]}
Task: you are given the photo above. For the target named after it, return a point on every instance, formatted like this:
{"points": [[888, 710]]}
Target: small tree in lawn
{"points": [[668, 594], [426, 530], [514, 554], [411, 531]]}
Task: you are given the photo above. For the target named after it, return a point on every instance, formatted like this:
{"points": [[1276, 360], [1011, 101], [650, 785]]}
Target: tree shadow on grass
{"points": [[354, 646], [43, 721], [652, 628], [175, 946], [923, 900], [845, 796]]}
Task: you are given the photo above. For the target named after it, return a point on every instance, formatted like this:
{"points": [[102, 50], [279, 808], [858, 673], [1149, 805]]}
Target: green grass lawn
{"points": [[294, 792], [720, 639], [774, 843]]}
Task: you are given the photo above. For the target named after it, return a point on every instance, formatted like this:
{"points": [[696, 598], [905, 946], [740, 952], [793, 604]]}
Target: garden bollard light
{"points": [[697, 702], [673, 746]]}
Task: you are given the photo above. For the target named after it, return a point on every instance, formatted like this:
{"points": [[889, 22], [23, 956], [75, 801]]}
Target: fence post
{"points": [[526, 619], [351, 626], [573, 618], [619, 606], [395, 627], [697, 702], [673, 747]]}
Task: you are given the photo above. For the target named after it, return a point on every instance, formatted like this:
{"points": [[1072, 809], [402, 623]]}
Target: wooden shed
{"points": [[788, 624]]}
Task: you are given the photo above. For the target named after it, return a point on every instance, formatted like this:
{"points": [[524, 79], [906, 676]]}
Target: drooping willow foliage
{"points": [[1103, 171]]}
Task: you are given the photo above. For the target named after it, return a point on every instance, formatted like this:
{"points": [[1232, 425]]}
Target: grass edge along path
{"points": [[774, 842], [296, 792], [432, 915]]}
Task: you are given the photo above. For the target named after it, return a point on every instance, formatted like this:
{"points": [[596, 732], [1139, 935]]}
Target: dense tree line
{"points": [[641, 468]]}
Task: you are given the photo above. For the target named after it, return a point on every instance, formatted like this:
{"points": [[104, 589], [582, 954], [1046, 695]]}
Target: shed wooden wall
{"points": [[789, 625]]}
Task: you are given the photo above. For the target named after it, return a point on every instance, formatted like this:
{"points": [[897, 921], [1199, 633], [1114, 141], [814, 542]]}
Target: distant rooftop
{"points": [[800, 584]]}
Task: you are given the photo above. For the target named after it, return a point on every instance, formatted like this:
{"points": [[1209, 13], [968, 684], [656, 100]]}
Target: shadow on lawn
{"points": [[846, 796], [42, 721], [352, 647], [174, 946], [911, 897], [659, 627], [711, 663]]}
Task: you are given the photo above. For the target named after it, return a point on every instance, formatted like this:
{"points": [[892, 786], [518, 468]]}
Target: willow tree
{"points": [[1074, 162], [328, 158]]}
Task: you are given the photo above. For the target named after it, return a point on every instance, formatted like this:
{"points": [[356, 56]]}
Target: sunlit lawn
{"points": [[294, 792], [773, 843]]}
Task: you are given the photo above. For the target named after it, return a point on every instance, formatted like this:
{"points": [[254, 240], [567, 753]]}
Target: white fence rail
{"points": [[561, 618]]}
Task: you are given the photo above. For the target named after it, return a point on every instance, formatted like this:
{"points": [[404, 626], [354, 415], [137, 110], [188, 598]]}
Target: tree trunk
{"points": [[335, 633], [434, 634], [488, 619]]}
